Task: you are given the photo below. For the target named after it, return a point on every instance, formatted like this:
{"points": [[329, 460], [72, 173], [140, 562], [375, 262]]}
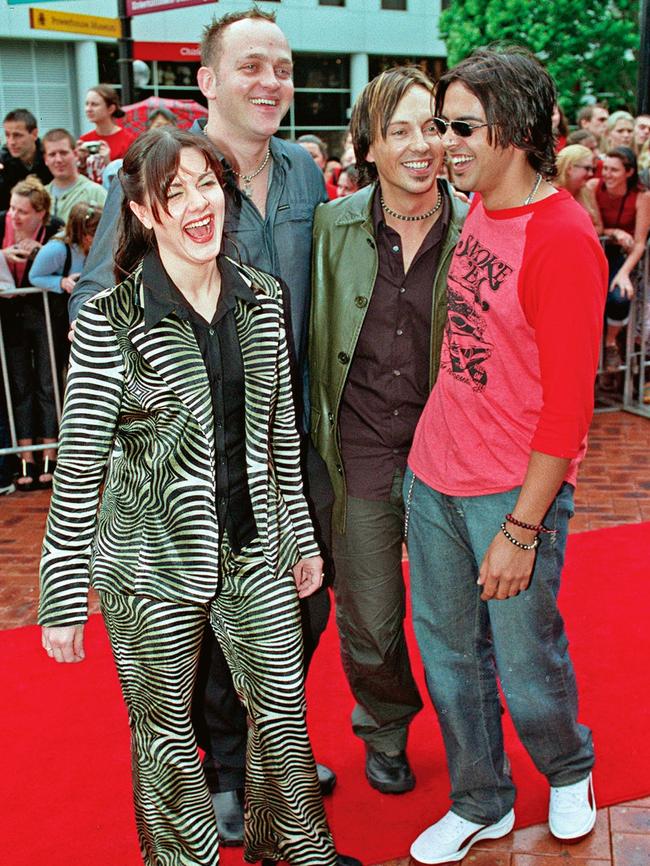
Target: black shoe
{"points": [[390, 774], [341, 860], [229, 811], [326, 778]]}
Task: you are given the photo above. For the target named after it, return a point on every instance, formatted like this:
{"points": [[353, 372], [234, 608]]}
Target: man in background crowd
{"points": [[22, 153], [68, 187]]}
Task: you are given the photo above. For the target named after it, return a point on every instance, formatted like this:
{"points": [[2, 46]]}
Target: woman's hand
{"points": [[623, 239], [67, 283], [104, 152], [308, 575], [624, 283], [64, 643], [15, 254]]}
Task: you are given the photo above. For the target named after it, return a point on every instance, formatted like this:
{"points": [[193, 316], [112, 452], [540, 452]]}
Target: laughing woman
{"points": [[179, 402]]}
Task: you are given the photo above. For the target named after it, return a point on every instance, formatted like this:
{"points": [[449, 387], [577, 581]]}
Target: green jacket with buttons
{"points": [[344, 269]]}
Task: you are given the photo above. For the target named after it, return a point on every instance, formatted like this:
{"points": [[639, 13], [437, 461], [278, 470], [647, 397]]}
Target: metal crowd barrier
{"points": [[14, 448], [635, 368]]}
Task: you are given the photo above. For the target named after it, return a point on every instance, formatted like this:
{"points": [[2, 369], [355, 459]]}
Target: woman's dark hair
{"points": [[150, 165], [628, 158], [83, 219], [517, 95]]}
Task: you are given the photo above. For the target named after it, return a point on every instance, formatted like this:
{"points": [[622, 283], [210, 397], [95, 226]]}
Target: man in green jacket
{"points": [[380, 260]]}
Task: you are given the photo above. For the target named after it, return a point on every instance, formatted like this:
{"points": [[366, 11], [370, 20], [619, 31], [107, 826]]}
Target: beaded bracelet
{"points": [[516, 543], [534, 527]]}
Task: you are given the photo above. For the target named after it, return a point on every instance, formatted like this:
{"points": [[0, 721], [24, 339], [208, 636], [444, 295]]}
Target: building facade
{"points": [[338, 45]]}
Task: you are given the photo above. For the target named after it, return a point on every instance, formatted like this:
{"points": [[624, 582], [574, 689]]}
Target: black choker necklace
{"points": [[412, 219]]}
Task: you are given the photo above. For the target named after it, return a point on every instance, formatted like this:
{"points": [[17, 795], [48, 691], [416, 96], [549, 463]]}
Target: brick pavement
{"points": [[614, 488]]}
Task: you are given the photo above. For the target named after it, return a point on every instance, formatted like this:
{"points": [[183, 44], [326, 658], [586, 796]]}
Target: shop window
{"points": [[320, 71], [399, 5], [313, 110]]}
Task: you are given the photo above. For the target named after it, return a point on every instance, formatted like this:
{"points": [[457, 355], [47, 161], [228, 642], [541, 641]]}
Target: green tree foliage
{"points": [[590, 47]]}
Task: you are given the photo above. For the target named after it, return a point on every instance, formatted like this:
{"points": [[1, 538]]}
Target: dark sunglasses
{"points": [[458, 127]]}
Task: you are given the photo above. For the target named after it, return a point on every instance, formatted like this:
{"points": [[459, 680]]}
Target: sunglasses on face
{"points": [[459, 127]]}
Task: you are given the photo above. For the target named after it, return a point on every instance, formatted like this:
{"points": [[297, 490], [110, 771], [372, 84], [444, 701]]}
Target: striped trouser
{"points": [[156, 646]]}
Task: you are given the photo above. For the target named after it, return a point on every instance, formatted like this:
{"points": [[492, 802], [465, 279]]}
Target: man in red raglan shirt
{"points": [[492, 469]]}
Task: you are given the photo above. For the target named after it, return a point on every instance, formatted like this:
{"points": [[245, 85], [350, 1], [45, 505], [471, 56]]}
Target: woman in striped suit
{"points": [[179, 402]]}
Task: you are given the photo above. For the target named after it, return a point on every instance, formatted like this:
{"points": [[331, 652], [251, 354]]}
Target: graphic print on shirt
{"points": [[476, 272]]}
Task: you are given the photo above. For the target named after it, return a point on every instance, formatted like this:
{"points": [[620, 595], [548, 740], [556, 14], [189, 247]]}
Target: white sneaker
{"points": [[572, 810], [452, 836]]}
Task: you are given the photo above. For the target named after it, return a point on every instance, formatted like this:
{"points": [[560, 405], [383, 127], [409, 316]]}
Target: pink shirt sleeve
{"points": [[563, 298]]}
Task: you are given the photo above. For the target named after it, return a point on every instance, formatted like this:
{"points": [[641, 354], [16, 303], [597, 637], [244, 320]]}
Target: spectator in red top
{"points": [[102, 109], [624, 206]]}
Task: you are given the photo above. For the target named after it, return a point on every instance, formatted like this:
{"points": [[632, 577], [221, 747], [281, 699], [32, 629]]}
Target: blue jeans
{"points": [[464, 642]]}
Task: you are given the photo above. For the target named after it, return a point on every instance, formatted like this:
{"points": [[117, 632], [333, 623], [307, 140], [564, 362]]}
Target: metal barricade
{"points": [[634, 372], [636, 388], [14, 448]]}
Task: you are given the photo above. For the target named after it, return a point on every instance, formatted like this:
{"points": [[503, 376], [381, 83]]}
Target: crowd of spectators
{"points": [[52, 190], [605, 165]]}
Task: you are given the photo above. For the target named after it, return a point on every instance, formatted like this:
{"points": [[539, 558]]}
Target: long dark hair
{"points": [[627, 157], [517, 95], [150, 165]]}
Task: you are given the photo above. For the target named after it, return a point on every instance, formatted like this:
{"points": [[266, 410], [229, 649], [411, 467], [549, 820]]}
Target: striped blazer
{"points": [[138, 418]]}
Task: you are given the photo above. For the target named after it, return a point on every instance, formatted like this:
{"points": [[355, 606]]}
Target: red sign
{"points": [[141, 7], [190, 52]]}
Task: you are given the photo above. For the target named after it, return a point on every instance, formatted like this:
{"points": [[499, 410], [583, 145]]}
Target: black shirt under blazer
{"points": [[138, 418]]}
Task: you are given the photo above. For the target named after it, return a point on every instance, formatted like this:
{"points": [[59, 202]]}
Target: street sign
{"points": [[190, 52], [142, 7], [71, 22]]}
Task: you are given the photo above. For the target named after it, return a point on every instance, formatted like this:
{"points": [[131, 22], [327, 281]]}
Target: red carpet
{"points": [[65, 788]]}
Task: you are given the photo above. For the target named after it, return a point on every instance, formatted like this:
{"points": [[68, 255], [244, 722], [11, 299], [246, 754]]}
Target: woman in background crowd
{"points": [[24, 228], [348, 181], [102, 110], [620, 130], [57, 267], [575, 166], [560, 127], [624, 206], [108, 141], [317, 149]]}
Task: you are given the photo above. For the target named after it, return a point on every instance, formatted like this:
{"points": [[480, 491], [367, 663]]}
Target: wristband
{"points": [[519, 544], [534, 527]]}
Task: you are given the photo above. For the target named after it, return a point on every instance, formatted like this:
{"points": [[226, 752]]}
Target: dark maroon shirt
{"points": [[388, 382]]}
